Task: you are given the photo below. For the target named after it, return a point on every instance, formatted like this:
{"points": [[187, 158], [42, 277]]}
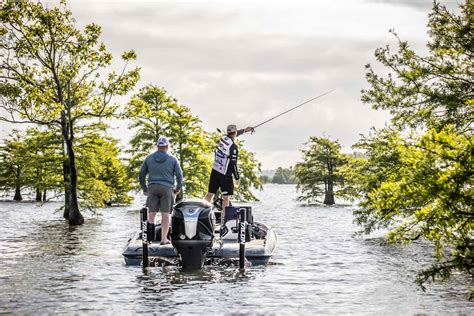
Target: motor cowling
{"points": [[192, 232]]}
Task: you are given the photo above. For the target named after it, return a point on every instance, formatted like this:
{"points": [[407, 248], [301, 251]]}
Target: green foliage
{"points": [[264, 179], [44, 156], [189, 139], [51, 77], [434, 90], [13, 163], [39, 157], [284, 176], [318, 175], [153, 113], [249, 168], [103, 178], [30, 160], [416, 178]]}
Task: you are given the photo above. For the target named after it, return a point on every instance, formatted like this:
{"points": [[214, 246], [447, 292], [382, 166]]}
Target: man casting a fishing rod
{"points": [[225, 166], [225, 160]]}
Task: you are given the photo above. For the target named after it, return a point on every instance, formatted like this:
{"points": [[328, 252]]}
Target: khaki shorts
{"points": [[160, 197]]}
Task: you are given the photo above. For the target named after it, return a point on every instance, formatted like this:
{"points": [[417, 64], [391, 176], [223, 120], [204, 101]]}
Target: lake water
{"points": [[319, 267]]}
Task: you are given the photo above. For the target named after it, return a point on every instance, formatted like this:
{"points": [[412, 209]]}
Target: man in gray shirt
{"points": [[162, 169]]}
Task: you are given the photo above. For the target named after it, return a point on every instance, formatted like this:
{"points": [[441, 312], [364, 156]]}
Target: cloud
{"points": [[246, 62], [424, 5]]}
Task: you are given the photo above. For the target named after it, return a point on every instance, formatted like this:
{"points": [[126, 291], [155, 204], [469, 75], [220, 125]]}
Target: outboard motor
{"points": [[192, 232]]}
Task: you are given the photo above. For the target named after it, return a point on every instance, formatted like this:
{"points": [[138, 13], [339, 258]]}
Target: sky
{"points": [[242, 62]]}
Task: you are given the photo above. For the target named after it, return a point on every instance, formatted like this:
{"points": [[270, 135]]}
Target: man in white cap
{"points": [[162, 169], [225, 166]]}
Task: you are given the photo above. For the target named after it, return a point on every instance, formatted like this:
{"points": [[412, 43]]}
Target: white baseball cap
{"points": [[162, 141], [231, 128]]}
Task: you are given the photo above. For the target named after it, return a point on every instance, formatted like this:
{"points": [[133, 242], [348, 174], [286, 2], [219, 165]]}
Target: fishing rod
{"points": [[293, 108]]}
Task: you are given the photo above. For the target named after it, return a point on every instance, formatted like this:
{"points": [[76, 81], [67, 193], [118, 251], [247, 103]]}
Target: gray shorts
{"points": [[160, 197]]}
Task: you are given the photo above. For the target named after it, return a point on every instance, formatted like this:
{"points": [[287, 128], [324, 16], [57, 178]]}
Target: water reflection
{"points": [[319, 267], [57, 238], [154, 278]]}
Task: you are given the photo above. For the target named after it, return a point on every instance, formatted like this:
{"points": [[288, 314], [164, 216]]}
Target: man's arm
{"points": [[234, 153], [244, 130], [142, 176], [179, 175]]}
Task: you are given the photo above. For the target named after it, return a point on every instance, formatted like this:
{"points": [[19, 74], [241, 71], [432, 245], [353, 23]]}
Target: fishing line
{"points": [[293, 108]]}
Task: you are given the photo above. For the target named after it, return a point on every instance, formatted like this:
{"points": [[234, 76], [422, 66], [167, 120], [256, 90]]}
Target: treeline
{"points": [[415, 177], [280, 176], [57, 79], [33, 161]]}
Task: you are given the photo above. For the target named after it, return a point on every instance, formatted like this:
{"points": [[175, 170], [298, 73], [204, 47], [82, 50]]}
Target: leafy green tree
{"points": [[13, 164], [417, 176], [153, 113], [284, 176], [434, 90], [103, 177], [44, 156], [148, 115], [264, 179], [51, 72], [249, 168], [318, 174], [188, 139]]}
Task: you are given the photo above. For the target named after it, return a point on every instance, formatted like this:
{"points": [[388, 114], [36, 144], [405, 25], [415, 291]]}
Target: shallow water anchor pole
{"points": [[144, 216], [241, 237]]}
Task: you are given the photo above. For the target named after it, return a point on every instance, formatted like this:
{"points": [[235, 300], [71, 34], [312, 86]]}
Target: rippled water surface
{"points": [[319, 268]]}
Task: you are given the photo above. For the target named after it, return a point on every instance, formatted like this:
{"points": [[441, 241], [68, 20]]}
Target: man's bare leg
{"points": [[165, 226], [209, 196], [225, 203], [151, 217]]}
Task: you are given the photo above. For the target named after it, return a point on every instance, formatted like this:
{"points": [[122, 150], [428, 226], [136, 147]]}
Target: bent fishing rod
{"points": [[293, 108]]}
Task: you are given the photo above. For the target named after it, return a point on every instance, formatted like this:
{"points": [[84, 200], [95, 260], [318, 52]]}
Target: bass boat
{"points": [[197, 239]]}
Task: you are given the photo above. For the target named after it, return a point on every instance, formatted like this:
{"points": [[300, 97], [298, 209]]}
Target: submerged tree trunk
{"points": [[18, 196], [38, 191], [38, 195], [75, 216], [44, 196], [67, 192], [329, 192]]}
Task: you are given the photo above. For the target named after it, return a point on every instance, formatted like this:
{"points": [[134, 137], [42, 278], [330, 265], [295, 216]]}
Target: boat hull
{"points": [[257, 251]]}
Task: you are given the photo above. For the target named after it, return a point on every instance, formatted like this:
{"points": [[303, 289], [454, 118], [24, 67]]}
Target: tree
{"points": [[249, 168], [103, 177], [13, 164], [44, 156], [264, 179], [417, 178], [147, 112], [318, 174], [284, 176], [50, 77], [154, 113], [188, 139], [431, 91]]}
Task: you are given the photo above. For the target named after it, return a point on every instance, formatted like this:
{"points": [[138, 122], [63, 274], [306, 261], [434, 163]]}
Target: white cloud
{"points": [[245, 61]]}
